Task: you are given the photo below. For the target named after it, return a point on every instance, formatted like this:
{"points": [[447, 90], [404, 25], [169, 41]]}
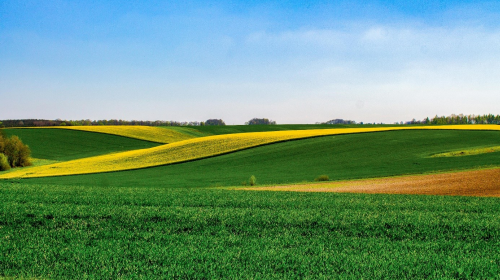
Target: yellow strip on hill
{"points": [[148, 133], [197, 148]]}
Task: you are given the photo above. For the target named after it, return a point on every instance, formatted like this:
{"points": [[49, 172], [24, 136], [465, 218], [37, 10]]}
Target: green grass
{"points": [[192, 131], [158, 222], [62, 144], [339, 157], [92, 232], [469, 152], [228, 129]]}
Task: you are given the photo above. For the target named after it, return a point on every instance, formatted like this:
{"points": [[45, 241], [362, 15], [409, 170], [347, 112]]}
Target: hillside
{"points": [[64, 144], [148, 133], [174, 221], [229, 129], [341, 157]]}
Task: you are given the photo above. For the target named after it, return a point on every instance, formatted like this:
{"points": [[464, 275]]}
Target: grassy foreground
{"points": [[109, 232]]}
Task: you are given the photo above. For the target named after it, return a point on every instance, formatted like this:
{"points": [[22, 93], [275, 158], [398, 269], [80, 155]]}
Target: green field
{"points": [[228, 129], [169, 221], [340, 157], [63, 144], [109, 232]]}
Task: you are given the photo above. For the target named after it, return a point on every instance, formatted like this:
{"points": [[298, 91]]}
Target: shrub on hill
{"points": [[252, 181], [259, 121], [340, 121], [215, 122], [322, 178], [15, 151]]}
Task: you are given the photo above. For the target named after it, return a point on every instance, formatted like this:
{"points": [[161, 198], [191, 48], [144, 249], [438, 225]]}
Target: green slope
{"points": [[339, 157], [62, 144], [191, 131], [133, 225], [228, 129]]}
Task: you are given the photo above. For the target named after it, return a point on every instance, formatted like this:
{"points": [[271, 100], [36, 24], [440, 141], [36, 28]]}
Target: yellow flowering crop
{"points": [[197, 148], [148, 133]]}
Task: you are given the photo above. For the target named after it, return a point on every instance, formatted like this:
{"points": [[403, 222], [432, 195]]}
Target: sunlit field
{"points": [[188, 217]]}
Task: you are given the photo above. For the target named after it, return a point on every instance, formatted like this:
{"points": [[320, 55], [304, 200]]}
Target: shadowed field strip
{"points": [[196, 148], [467, 183]]}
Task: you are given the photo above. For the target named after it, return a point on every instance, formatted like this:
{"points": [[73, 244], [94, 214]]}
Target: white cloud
{"points": [[375, 34]]}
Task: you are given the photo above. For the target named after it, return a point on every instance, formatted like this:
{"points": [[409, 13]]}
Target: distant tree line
{"points": [[340, 121], [58, 122], [215, 122], [459, 119], [263, 121], [453, 119]]}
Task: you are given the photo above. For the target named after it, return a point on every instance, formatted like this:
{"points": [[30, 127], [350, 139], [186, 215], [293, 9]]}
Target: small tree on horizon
{"points": [[215, 122], [264, 121]]}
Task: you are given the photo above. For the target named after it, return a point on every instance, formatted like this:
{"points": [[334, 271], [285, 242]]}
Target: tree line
{"points": [[453, 119], [257, 121], [340, 121], [459, 119], [58, 122]]}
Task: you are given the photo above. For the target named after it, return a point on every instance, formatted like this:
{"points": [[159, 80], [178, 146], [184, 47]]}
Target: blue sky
{"points": [[289, 61]]}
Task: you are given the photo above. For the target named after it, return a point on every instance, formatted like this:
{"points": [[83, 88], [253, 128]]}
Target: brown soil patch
{"points": [[467, 183]]}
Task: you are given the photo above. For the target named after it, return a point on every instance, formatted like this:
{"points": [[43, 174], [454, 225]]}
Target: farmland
{"points": [[63, 145], [483, 182], [184, 220], [199, 148]]}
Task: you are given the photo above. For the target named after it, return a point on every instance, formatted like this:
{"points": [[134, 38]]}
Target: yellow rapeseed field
{"points": [[148, 133], [197, 148]]}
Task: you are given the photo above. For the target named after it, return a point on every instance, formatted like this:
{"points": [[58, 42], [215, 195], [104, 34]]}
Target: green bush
{"points": [[322, 178], [18, 154], [252, 181], [4, 163]]}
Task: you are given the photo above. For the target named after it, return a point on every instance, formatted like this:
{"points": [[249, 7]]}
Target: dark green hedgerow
{"points": [[108, 232]]}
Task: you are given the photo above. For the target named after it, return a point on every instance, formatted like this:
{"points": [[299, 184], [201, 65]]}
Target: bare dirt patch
{"points": [[466, 183]]}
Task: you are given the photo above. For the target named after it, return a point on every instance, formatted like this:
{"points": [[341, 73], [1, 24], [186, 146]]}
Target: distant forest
{"points": [[36, 122], [453, 119], [459, 119]]}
